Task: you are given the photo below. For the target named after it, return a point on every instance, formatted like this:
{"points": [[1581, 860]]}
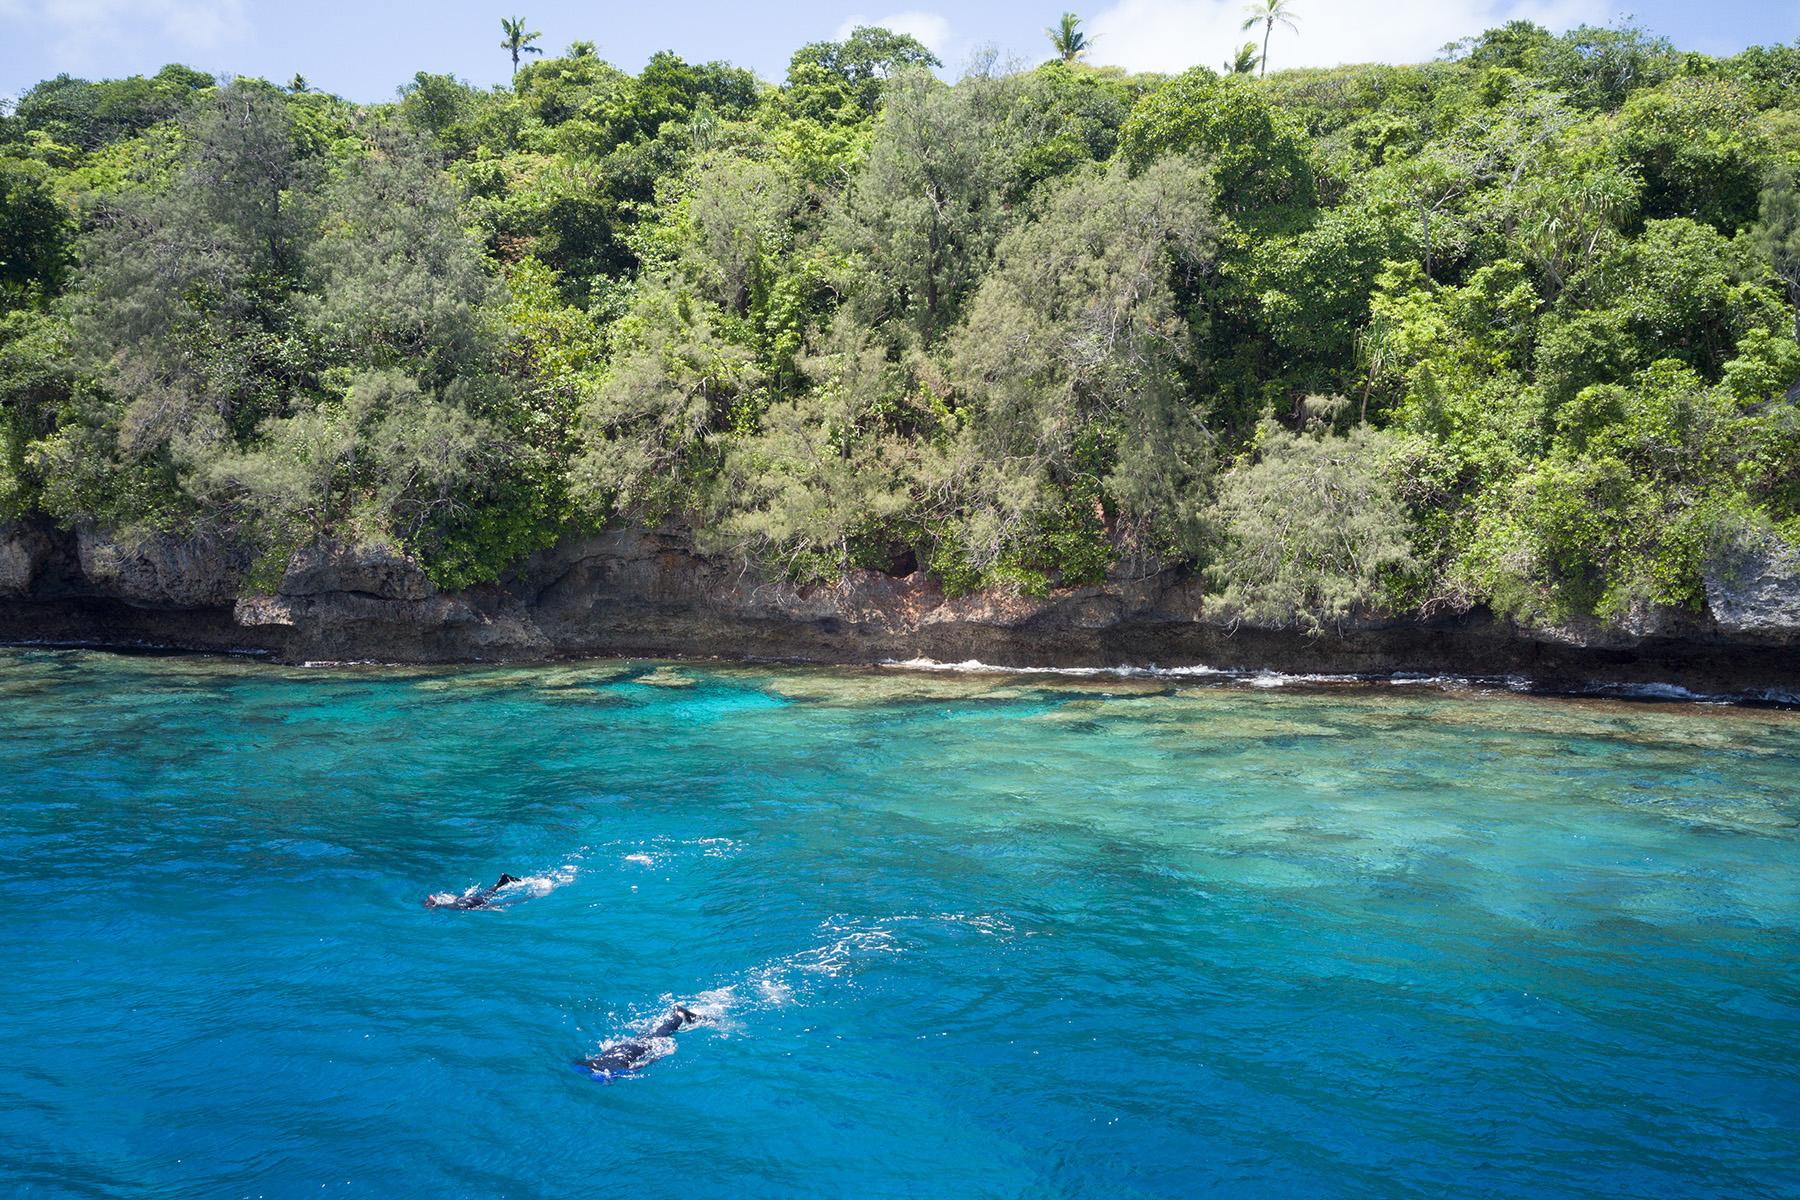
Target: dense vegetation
{"points": [[1514, 328]]}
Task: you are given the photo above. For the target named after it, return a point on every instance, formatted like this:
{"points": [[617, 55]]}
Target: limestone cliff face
{"points": [[635, 592], [163, 571], [22, 553], [1755, 593]]}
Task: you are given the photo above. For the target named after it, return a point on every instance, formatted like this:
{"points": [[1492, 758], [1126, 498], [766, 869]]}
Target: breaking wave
{"points": [[1267, 679]]}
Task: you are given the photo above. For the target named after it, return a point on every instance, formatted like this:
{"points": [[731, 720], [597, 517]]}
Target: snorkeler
{"points": [[473, 898], [634, 1054]]}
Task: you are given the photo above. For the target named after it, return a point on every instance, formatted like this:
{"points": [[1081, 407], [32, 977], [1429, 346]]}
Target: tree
{"points": [[35, 372], [437, 104], [1314, 531], [1778, 234], [652, 431], [186, 335], [1022, 329], [927, 206], [857, 68], [828, 477], [35, 233], [90, 115], [396, 281], [184, 296], [738, 219], [1598, 68], [1260, 156], [1073, 367], [1067, 39], [1268, 14], [518, 41], [1712, 177]]}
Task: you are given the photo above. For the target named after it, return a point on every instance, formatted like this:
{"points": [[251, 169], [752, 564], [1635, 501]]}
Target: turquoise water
{"points": [[959, 936]]}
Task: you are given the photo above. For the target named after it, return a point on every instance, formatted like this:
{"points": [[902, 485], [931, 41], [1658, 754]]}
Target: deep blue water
{"points": [[958, 936]]}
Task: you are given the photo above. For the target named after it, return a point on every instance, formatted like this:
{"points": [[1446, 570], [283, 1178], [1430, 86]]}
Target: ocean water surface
{"points": [[954, 936]]}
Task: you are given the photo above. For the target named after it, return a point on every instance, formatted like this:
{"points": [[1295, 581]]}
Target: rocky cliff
{"points": [[632, 592]]}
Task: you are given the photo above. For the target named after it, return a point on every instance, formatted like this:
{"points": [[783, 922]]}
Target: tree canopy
{"points": [[1514, 328]]}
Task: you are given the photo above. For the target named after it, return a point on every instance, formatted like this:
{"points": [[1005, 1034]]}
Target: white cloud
{"points": [[1173, 35], [79, 28], [928, 27]]}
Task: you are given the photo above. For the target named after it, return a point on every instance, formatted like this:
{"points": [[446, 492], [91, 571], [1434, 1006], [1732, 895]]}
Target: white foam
{"points": [[844, 944], [661, 851], [1647, 691], [1406, 679], [1260, 679], [974, 666], [1266, 679], [986, 924], [541, 885], [1278, 679]]}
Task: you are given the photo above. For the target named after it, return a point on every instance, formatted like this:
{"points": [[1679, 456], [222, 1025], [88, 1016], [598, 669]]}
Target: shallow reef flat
{"points": [[1041, 933]]}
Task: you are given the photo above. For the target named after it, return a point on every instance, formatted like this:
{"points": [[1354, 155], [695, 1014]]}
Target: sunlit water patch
{"points": [[959, 933]]}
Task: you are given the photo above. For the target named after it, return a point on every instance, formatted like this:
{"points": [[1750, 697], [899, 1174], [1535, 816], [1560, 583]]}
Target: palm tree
{"points": [[1245, 62], [1268, 13], [517, 40], [1068, 40]]}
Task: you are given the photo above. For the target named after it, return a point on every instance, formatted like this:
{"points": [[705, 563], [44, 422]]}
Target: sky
{"points": [[365, 49]]}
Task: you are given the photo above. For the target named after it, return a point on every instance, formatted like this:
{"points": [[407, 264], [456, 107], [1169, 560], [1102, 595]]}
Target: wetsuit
{"points": [[478, 899]]}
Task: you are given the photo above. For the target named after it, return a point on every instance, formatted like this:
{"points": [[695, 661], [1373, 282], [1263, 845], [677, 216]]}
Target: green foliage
{"points": [[1598, 68], [1696, 145], [824, 483], [1259, 155], [35, 233], [393, 278], [1268, 14], [1312, 530], [34, 383], [517, 40], [1674, 292], [1071, 45], [652, 429], [926, 208], [1777, 235], [1065, 118], [1074, 366], [1004, 330], [827, 77], [88, 115], [443, 108]]}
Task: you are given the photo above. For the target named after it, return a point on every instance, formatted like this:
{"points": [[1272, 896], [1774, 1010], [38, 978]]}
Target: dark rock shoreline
{"points": [[626, 592]]}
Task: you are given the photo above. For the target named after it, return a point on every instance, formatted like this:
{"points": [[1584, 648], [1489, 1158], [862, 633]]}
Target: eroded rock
{"points": [[370, 569], [21, 552], [164, 571], [1755, 591]]}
